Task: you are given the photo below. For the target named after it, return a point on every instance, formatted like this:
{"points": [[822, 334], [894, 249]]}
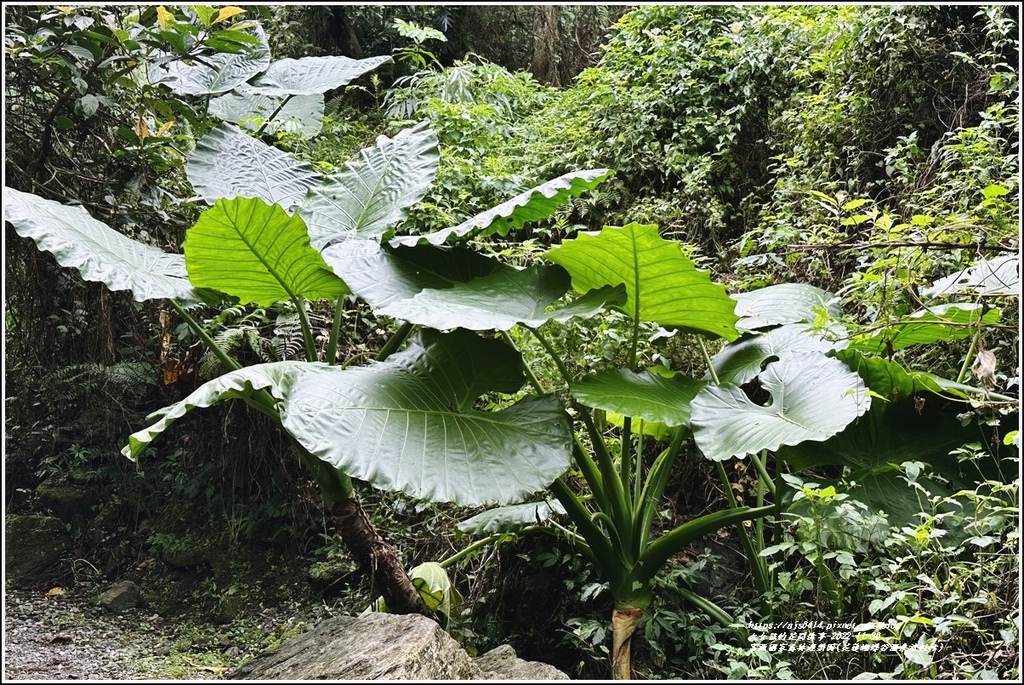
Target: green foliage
{"points": [[868, 150]]}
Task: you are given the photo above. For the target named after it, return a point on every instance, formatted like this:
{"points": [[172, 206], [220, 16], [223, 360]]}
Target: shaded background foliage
{"points": [[751, 132]]}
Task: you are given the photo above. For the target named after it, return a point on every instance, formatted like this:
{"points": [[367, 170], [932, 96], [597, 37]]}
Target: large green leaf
{"points": [[502, 299], [212, 74], [912, 423], [999, 276], [936, 324], [97, 251], [662, 284], [783, 303], [228, 163], [257, 253], [653, 397], [374, 192], [740, 361], [409, 423], [301, 114], [382, 275], [276, 378], [511, 517], [311, 75], [813, 397], [532, 205]]}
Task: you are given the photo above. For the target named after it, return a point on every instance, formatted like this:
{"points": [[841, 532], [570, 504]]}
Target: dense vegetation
{"points": [[737, 289]]}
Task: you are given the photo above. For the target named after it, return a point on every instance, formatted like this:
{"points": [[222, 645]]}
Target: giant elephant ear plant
{"points": [[260, 243]]}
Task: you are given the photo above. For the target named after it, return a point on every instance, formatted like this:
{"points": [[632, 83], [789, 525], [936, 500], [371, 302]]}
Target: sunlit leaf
{"points": [[662, 284], [225, 13], [164, 18], [257, 253]]}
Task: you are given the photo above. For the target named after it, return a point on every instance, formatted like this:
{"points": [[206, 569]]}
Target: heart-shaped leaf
{"points": [[653, 397], [502, 299], [97, 251], [302, 114], [510, 518], [783, 303], [382, 275], [257, 253], [740, 361], [228, 163], [310, 75], [374, 192], [532, 205], [813, 398], [662, 284], [409, 424], [213, 74], [276, 378]]}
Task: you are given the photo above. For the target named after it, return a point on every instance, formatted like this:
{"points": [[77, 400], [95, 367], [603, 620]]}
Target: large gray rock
{"points": [[501, 663], [380, 646], [34, 545], [121, 597]]}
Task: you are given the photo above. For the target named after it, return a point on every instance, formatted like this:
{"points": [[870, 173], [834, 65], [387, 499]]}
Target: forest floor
{"points": [[63, 637], [67, 636]]}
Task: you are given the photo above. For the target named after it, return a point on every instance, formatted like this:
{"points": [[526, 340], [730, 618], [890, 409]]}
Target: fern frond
{"points": [[288, 335], [264, 348]]}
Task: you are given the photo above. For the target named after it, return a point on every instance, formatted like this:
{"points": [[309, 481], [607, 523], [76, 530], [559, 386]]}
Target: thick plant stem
{"points": [[308, 343], [395, 341], [376, 558], [205, 337], [332, 341], [757, 567], [970, 355], [623, 626]]}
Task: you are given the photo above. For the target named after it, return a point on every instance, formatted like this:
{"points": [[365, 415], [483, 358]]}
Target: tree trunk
{"points": [[343, 31], [623, 627], [547, 31], [376, 558]]}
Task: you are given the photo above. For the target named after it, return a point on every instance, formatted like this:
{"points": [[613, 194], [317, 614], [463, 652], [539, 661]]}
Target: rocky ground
{"points": [[57, 637], [65, 635]]}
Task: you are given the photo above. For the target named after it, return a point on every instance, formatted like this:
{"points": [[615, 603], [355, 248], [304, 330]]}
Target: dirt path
{"points": [[65, 637]]}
